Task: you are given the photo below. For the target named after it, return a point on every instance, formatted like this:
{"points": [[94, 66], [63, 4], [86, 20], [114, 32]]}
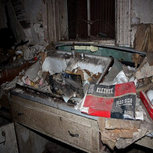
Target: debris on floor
{"points": [[95, 88], [67, 85]]}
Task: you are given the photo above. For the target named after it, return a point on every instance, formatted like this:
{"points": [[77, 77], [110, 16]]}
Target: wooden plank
{"points": [[111, 124], [53, 20], [123, 25], [63, 18], [66, 127], [70, 116]]}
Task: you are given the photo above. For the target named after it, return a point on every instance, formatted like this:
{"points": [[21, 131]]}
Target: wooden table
{"points": [[56, 119]]}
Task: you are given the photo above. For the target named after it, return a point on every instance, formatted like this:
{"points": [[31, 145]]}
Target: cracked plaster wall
{"points": [[35, 34], [141, 13], [36, 10]]}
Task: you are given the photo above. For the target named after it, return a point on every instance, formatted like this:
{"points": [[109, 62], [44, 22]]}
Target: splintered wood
{"points": [[114, 129], [112, 124], [143, 42]]}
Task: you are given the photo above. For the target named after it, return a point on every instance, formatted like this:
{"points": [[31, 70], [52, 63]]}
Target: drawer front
{"points": [[57, 126]]}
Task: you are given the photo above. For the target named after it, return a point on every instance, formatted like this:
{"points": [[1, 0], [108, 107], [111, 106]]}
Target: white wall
{"points": [[141, 13]]}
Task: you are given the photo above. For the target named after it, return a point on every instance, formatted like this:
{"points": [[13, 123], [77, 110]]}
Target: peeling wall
{"points": [[48, 20], [129, 14], [141, 13], [55, 19], [33, 11], [15, 25]]}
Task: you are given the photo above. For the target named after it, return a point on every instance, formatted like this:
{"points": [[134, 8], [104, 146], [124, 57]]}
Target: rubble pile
{"points": [[63, 81], [117, 93]]}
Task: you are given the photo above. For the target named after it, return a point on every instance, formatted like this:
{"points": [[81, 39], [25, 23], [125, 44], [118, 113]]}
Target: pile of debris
{"points": [[76, 85], [119, 94], [16, 62]]}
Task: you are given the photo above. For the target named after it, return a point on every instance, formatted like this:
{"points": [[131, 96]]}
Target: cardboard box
{"points": [[112, 101]]}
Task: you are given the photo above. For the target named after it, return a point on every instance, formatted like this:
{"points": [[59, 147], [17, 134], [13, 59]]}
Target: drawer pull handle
{"points": [[73, 135], [20, 114]]}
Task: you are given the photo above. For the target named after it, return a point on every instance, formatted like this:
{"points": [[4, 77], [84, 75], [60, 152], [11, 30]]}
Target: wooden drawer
{"points": [[72, 129]]}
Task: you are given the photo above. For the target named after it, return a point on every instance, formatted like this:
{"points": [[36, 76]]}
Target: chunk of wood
{"points": [[115, 134], [111, 124]]}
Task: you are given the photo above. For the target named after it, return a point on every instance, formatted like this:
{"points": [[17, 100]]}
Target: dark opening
{"points": [[101, 20]]}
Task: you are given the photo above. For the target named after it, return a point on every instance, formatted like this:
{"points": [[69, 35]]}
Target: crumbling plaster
{"points": [[41, 19], [35, 34], [33, 11], [141, 13]]}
